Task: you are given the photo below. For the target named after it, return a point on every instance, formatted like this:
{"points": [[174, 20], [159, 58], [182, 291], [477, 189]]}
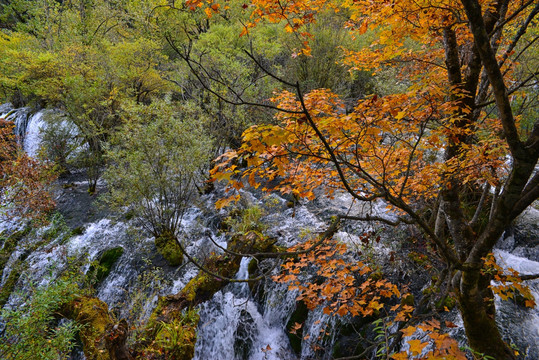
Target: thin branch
{"points": [[520, 33], [378, 218], [529, 277], [325, 236], [479, 208], [240, 102]]}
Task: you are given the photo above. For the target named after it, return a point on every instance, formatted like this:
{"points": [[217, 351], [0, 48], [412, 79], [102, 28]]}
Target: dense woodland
{"points": [[429, 107]]}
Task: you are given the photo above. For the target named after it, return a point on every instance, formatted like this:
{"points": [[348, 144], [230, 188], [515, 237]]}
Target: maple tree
{"points": [[448, 154]]}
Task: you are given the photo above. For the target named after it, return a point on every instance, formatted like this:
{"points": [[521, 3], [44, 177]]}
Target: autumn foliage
{"points": [[450, 152], [23, 181]]}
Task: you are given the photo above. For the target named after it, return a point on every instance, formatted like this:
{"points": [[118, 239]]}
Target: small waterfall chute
{"points": [[20, 118], [32, 137]]}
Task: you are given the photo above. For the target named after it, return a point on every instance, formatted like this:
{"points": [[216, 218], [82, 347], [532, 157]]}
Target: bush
{"points": [[157, 164], [32, 331]]}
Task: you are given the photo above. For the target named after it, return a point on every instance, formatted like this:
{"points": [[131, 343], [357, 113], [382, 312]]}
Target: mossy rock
{"points": [[169, 334], [203, 286], [102, 338], [11, 281], [77, 231], [17, 268], [448, 302], [103, 267], [167, 245], [9, 245], [93, 314]]}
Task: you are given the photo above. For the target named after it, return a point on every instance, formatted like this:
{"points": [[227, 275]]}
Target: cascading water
{"points": [[234, 324], [518, 323], [32, 138], [27, 126], [20, 118]]}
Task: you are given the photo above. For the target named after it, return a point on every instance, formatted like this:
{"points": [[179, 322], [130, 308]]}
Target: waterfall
{"points": [[233, 326], [27, 126], [5, 109], [32, 138], [235, 323], [20, 118]]}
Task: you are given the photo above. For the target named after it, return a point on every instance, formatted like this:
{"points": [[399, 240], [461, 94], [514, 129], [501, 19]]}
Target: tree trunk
{"points": [[476, 304]]}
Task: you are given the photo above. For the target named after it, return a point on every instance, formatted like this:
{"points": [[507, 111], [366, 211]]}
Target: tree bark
{"points": [[476, 304]]}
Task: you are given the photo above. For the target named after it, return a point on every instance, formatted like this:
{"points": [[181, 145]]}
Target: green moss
{"points": [[252, 268], [167, 245], [58, 229], [10, 282], [98, 272], [10, 244], [199, 284], [169, 334], [77, 231], [448, 302], [245, 220], [203, 286], [93, 315], [408, 300]]}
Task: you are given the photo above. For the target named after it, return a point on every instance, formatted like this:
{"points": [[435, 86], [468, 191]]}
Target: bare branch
{"points": [[367, 217]]}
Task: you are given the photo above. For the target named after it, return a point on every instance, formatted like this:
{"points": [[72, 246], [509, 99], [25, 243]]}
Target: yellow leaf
{"points": [[219, 204], [416, 346], [408, 331], [363, 28], [400, 115], [400, 356]]}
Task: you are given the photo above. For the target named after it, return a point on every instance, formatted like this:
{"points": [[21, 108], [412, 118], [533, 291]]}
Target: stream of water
{"points": [[234, 324]]}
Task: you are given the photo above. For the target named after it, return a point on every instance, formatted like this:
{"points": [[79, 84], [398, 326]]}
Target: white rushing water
{"points": [[27, 126], [19, 117], [518, 323], [32, 139], [233, 326], [235, 323]]}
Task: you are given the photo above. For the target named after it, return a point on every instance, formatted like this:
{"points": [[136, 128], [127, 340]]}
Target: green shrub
{"points": [[32, 330]]}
